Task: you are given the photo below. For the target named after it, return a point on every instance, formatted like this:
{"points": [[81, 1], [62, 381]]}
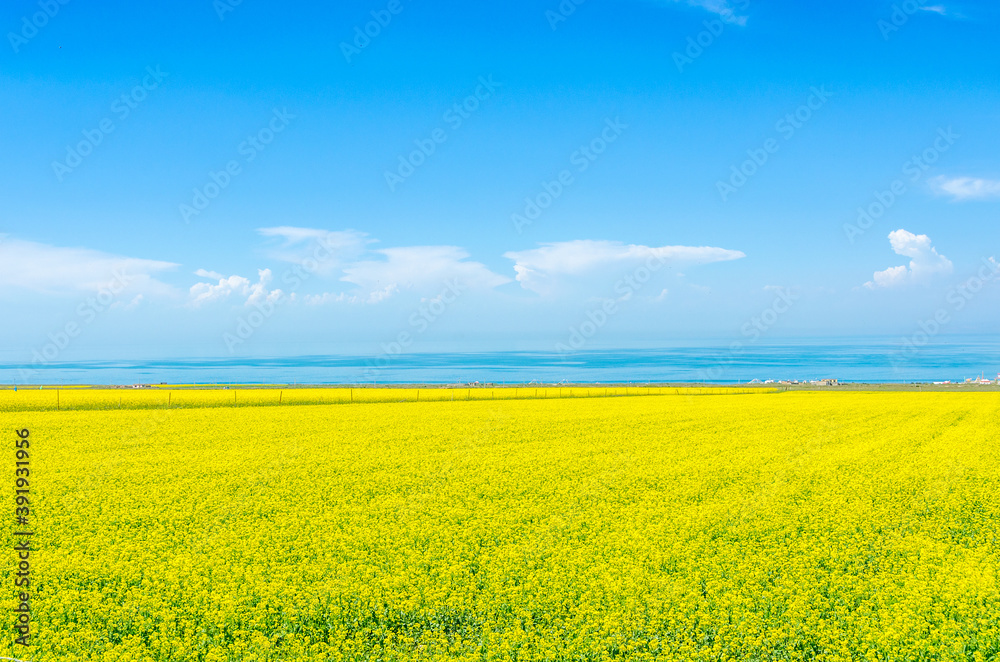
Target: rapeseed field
{"points": [[671, 525]]}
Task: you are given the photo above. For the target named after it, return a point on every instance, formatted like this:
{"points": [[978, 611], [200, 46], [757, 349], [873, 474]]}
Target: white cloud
{"points": [[259, 294], [292, 234], [56, 270], [326, 298], [383, 294], [966, 188], [377, 275], [420, 268], [925, 261], [322, 250], [202, 293], [131, 305], [382, 274], [891, 277], [255, 293], [369, 298], [554, 266], [724, 8]]}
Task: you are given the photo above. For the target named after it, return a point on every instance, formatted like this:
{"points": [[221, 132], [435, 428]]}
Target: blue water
{"points": [[868, 361]]}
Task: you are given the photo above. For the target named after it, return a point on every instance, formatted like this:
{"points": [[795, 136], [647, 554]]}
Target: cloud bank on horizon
{"points": [[366, 274]]}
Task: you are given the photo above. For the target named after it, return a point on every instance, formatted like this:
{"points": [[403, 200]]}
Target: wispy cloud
{"points": [[966, 188], [371, 298], [376, 275], [43, 268], [328, 248], [555, 266], [949, 11], [727, 9], [420, 269], [362, 275], [926, 262], [214, 275]]}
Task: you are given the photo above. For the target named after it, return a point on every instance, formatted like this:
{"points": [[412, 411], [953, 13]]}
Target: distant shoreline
{"points": [[844, 386]]}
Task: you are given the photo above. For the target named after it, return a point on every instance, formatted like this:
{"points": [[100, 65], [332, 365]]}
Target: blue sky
{"points": [[220, 179]]}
